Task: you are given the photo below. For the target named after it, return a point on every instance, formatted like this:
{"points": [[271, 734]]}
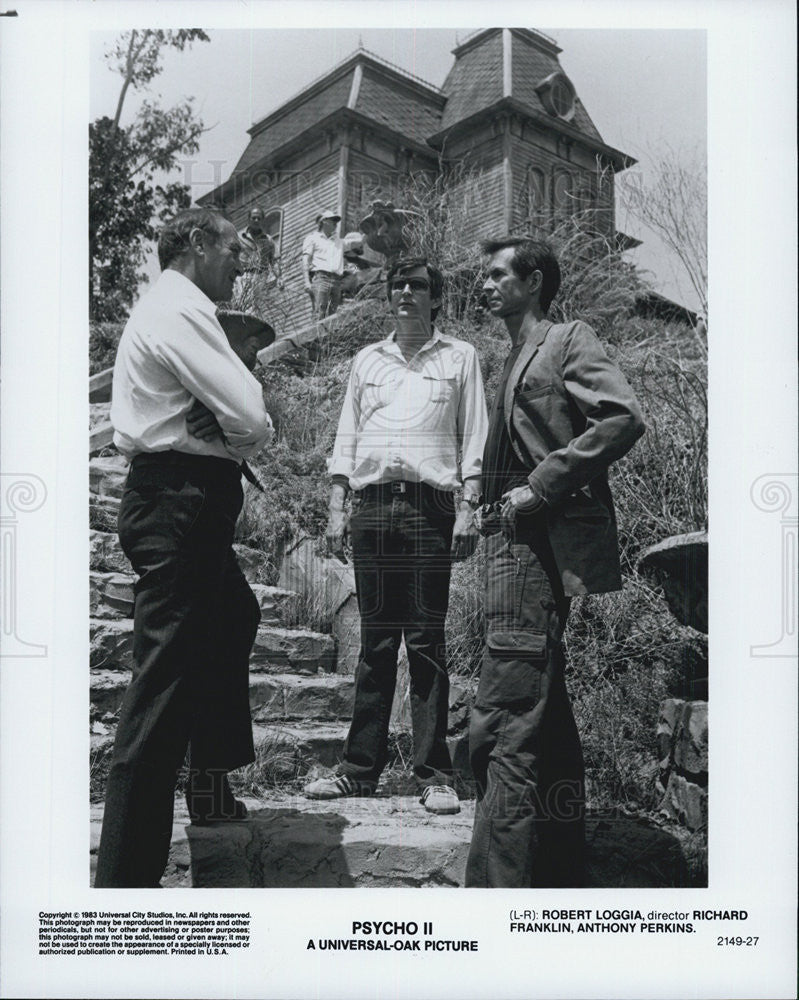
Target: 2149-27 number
{"points": [[744, 942]]}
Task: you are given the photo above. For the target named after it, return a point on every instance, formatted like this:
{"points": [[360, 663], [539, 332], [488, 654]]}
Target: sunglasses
{"points": [[415, 284]]}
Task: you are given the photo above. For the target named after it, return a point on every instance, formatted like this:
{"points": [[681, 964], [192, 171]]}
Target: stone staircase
{"points": [[299, 704], [301, 693]]}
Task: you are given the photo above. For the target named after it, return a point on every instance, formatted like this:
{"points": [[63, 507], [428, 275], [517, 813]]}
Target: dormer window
{"points": [[557, 95]]}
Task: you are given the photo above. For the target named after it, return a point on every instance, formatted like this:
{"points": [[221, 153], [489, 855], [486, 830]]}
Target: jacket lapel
{"points": [[535, 339]]}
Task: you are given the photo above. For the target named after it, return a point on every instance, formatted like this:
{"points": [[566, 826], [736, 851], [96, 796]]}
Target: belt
{"points": [[403, 487], [207, 468], [328, 274]]}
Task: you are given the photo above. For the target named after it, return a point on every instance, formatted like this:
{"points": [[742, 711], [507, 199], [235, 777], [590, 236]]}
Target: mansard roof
{"points": [[495, 69], [491, 67], [363, 84]]}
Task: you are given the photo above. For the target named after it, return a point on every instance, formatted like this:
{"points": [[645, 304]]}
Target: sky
{"points": [[645, 90]]}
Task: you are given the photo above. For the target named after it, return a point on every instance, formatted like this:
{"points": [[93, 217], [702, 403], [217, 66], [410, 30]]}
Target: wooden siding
{"points": [[583, 177], [302, 194]]}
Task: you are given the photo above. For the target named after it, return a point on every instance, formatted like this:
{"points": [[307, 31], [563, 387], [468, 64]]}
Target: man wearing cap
{"points": [[186, 412], [323, 264], [410, 434]]}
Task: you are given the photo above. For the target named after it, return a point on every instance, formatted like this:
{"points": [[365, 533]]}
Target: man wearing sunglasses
{"points": [[411, 434], [563, 413]]}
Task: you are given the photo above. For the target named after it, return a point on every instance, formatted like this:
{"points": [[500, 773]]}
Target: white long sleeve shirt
{"points": [[173, 351], [422, 420]]}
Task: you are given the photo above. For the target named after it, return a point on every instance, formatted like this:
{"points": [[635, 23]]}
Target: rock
{"points": [[347, 632], [323, 697], [390, 841], [99, 413], [278, 650], [254, 564], [110, 644], [272, 601], [307, 572], [106, 555], [685, 802], [107, 476], [670, 713], [679, 564], [106, 691], [301, 745], [690, 742], [111, 595], [329, 585]]}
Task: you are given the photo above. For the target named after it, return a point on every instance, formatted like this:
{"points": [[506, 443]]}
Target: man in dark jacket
{"points": [[563, 413]]}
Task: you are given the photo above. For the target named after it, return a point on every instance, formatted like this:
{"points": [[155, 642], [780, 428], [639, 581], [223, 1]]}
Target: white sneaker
{"points": [[441, 800]]}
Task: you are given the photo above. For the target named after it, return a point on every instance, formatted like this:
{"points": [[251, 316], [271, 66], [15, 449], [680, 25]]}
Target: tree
{"points": [[674, 206], [125, 198]]}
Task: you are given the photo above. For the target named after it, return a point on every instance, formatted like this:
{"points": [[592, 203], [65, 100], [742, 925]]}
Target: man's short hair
{"points": [[173, 240], [530, 255], [434, 276]]}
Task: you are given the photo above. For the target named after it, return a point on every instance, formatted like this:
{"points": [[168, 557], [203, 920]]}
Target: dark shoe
{"points": [[210, 800], [337, 788]]}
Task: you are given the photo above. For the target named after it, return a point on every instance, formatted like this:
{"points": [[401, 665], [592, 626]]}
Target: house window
{"points": [[536, 194], [563, 194], [557, 95], [273, 224]]}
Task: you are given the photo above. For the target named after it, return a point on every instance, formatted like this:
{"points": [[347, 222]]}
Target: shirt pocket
{"points": [[441, 386], [379, 389]]}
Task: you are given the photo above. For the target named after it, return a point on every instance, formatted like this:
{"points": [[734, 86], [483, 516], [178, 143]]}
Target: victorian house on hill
{"points": [[506, 111]]}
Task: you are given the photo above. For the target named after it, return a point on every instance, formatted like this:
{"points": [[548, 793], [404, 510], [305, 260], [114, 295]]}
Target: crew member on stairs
{"points": [[195, 616]]}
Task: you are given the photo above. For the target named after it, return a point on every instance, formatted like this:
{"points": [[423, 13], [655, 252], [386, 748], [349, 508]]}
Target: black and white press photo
{"points": [[435, 534]]}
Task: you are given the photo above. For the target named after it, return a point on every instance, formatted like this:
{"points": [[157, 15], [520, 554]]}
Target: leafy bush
{"points": [[103, 343]]}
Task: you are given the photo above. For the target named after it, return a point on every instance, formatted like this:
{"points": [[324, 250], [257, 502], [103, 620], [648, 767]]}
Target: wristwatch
{"points": [[474, 500]]}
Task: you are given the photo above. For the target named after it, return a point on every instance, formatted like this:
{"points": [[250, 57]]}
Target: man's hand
{"points": [[464, 534], [337, 524], [520, 499], [202, 423]]}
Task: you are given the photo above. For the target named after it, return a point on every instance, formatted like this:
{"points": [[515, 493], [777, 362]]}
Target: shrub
{"points": [[103, 343]]}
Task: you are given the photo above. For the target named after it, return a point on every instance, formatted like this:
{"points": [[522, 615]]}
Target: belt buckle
{"points": [[398, 486]]}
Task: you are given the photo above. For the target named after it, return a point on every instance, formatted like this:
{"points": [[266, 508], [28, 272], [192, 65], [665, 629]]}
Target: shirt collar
{"points": [[178, 284], [390, 343]]}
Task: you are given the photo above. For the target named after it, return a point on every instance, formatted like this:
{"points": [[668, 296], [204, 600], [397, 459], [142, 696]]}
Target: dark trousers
{"points": [[195, 619], [523, 742], [401, 550]]}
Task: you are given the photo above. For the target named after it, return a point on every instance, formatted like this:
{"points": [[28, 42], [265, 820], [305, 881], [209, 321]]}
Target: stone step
{"points": [[105, 553], [107, 476], [106, 556], [282, 697], [273, 697], [299, 651], [286, 750], [111, 595], [276, 650], [386, 841], [272, 601], [110, 644]]}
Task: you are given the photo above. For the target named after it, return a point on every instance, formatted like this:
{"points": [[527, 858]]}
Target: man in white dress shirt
{"points": [[195, 616], [411, 433]]}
